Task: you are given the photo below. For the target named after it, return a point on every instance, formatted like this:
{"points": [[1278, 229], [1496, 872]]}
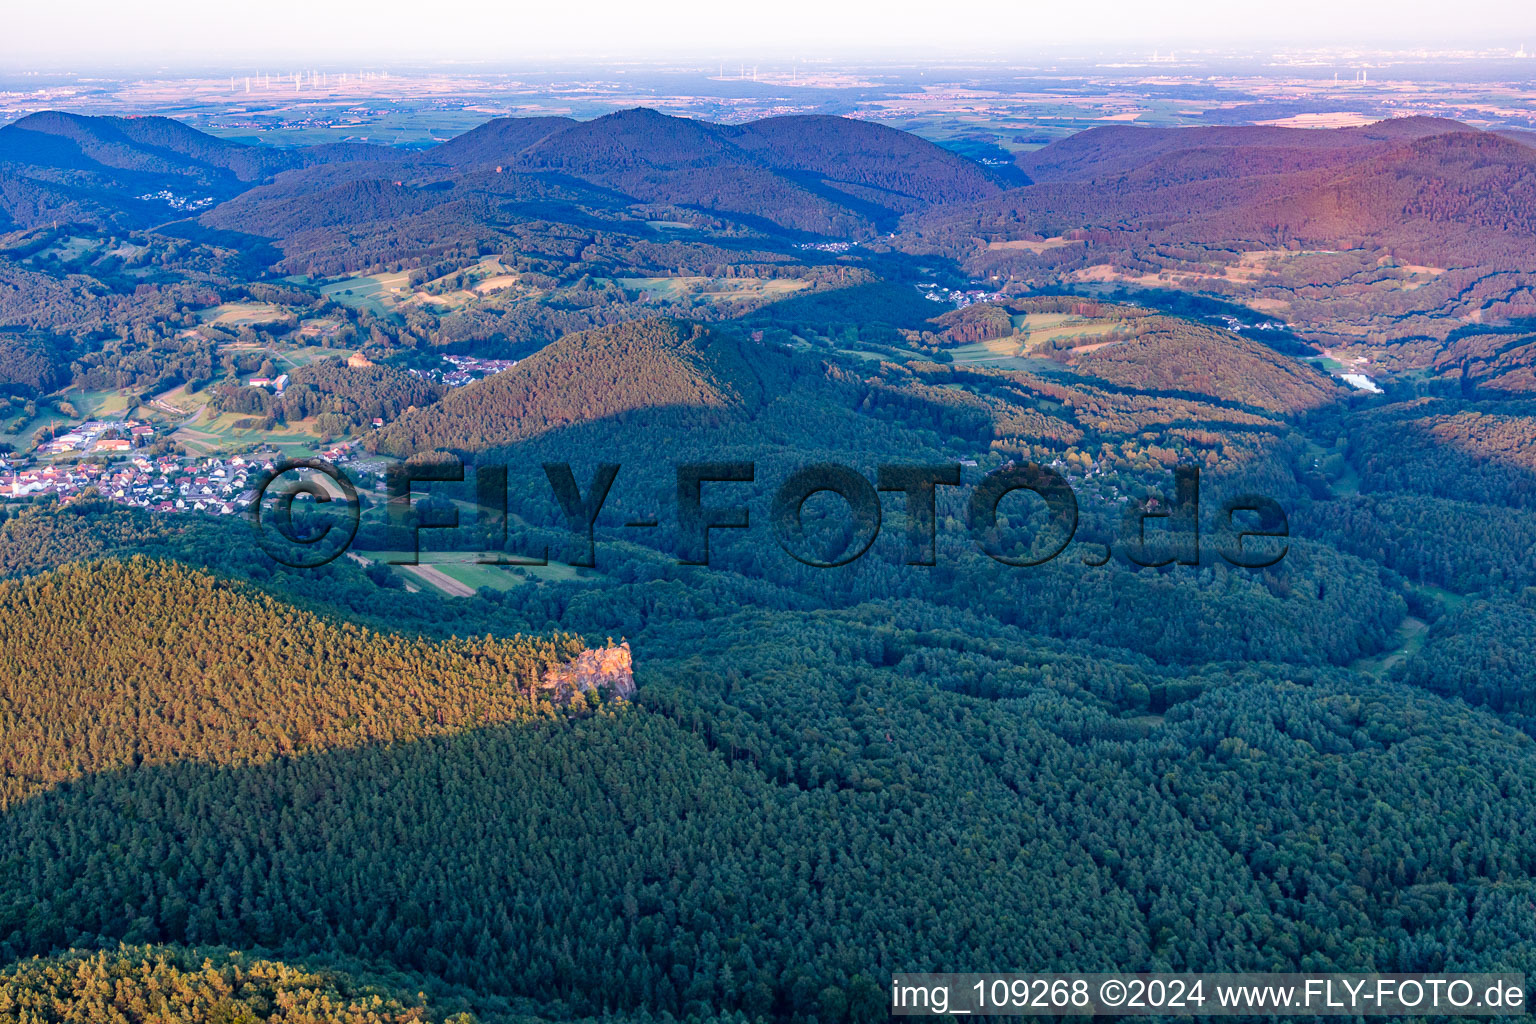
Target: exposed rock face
{"points": [[607, 668]]}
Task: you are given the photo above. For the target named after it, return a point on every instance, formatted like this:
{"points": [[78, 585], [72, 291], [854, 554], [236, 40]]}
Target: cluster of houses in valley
{"points": [[827, 246], [1235, 325], [212, 484], [468, 369], [960, 299], [100, 437], [169, 483], [177, 202]]}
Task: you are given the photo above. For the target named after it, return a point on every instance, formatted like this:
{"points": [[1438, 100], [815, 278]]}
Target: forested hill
{"points": [[643, 374], [138, 663], [1166, 353], [497, 140]]}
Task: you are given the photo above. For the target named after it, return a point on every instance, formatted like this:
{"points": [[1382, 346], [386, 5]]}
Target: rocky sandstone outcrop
{"points": [[607, 668]]}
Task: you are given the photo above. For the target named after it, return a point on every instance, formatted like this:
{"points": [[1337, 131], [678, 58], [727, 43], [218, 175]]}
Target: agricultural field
{"points": [[999, 353], [378, 294], [1035, 336], [1104, 274], [177, 402], [98, 405], [451, 293], [1044, 329], [385, 295], [1037, 247], [294, 358], [17, 429], [290, 120], [71, 406], [209, 432], [70, 248], [245, 314], [288, 358], [458, 574]]}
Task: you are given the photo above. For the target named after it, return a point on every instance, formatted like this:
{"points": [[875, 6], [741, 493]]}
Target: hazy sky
{"points": [[70, 32]]}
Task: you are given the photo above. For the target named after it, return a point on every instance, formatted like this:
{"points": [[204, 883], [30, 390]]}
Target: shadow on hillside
{"points": [[496, 858], [877, 304], [1482, 452]]}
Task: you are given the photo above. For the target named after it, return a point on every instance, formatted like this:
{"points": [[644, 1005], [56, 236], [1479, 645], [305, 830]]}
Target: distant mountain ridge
{"points": [[1436, 191], [819, 147], [816, 175], [155, 145], [1104, 152], [126, 172]]}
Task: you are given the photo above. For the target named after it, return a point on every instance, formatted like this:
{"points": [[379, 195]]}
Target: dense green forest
{"points": [[982, 792], [238, 791], [342, 396], [778, 759], [1064, 767]]}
